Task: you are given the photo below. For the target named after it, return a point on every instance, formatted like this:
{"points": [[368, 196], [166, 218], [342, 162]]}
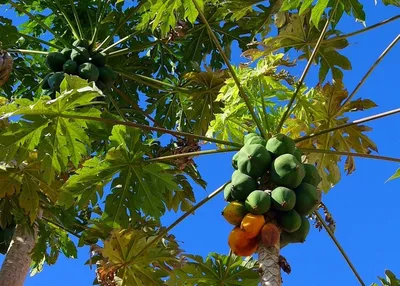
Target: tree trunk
{"points": [[17, 261], [270, 270]]}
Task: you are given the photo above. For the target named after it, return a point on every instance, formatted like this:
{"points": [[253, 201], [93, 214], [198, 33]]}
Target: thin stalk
{"points": [[387, 21], [153, 82], [341, 153], [34, 39], [121, 41], [192, 154], [128, 16], [100, 18], [62, 227], [286, 114], [180, 219], [321, 220], [27, 51], [369, 72], [115, 104], [78, 22], [67, 19], [133, 104], [232, 71], [151, 128], [43, 25], [355, 122], [137, 48]]}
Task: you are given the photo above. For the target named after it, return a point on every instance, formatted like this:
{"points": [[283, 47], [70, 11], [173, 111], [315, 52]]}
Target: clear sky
{"points": [[364, 206]]}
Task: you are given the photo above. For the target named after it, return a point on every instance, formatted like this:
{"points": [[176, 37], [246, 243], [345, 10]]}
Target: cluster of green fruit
{"points": [[82, 61], [271, 184]]}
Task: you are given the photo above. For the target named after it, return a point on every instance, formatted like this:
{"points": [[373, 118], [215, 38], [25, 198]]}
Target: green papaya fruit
{"points": [[289, 221], [284, 239], [70, 67], [81, 43], [107, 75], [287, 171], [253, 138], [254, 160], [88, 71], [258, 202], [228, 193], [67, 52], [80, 55], [99, 60], [280, 144], [248, 136], [283, 199], [306, 199], [55, 61], [300, 235], [298, 154], [242, 185], [55, 80], [235, 160], [312, 176], [45, 82]]}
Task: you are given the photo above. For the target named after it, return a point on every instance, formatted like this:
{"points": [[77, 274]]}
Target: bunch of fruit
{"points": [[81, 61], [270, 195]]}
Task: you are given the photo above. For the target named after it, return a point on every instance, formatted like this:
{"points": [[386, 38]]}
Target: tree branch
{"points": [[232, 71], [321, 220], [152, 128], [369, 72], [180, 219], [355, 122], [340, 153], [191, 154], [306, 69]]}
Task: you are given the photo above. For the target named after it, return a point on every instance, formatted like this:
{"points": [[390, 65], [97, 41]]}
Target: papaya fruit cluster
{"points": [[270, 195], [81, 61]]}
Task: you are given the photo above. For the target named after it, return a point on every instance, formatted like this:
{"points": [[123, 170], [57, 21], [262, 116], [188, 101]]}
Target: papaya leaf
{"points": [[297, 33], [394, 176], [391, 2], [216, 269], [135, 184], [45, 124], [328, 110], [120, 258]]}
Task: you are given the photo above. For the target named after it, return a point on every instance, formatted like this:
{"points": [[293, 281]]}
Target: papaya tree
{"points": [[104, 106]]}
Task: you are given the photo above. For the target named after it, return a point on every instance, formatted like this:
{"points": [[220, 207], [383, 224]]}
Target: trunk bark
{"points": [[17, 261], [270, 270]]}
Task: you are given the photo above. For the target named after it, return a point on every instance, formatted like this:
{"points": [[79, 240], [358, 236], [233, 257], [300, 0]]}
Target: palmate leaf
{"points": [[26, 183], [297, 33], [136, 185], [327, 109], [261, 83], [121, 261], [46, 125], [216, 269]]}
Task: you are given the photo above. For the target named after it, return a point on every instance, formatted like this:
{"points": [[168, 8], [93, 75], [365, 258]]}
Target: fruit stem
{"points": [[306, 69], [321, 220], [232, 71], [27, 51]]}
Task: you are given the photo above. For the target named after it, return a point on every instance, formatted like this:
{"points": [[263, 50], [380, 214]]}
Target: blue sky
{"points": [[363, 205]]}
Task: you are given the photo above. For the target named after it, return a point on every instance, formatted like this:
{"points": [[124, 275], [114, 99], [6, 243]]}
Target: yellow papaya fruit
{"points": [[252, 224], [240, 244], [234, 212], [270, 235]]}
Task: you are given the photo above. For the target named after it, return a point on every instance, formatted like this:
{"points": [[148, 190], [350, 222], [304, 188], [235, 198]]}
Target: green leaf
{"points": [[216, 269], [391, 2], [120, 252], [317, 12], [394, 176]]}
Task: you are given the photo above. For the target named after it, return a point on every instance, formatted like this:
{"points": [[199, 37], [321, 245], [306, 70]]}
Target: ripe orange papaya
{"points": [[252, 224], [234, 212], [270, 234], [240, 244]]}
